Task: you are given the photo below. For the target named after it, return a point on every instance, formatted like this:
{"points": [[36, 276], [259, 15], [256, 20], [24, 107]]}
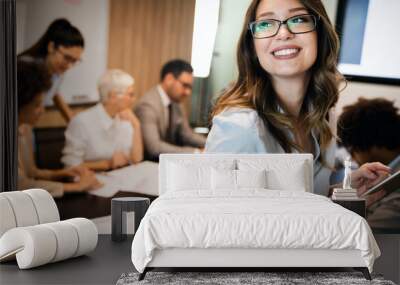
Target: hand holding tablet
{"points": [[390, 184]]}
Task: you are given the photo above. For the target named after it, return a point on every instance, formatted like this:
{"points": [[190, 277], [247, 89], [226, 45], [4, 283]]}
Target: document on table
{"points": [[140, 178]]}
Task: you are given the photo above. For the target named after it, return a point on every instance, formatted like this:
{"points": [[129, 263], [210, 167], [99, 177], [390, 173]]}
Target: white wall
{"points": [[331, 8], [91, 18], [224, 67], [355, 90]]}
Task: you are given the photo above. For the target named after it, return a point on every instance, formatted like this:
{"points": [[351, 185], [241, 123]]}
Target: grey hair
{"points": [[114, 80]]}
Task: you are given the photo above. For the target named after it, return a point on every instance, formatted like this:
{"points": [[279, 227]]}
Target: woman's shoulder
{"points": [[84, 119], [235, 130], [242, 117]]}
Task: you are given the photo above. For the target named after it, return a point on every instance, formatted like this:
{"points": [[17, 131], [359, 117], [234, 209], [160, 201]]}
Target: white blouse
{"points": [[94, 135], [241, 130]]}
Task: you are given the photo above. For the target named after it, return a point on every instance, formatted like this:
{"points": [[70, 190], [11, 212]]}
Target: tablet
{"points": [[390, 184]]}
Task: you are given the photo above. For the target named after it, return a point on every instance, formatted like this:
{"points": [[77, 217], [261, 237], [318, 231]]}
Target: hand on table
{"points": [[88, 181], [75, 171], [119, 159]]}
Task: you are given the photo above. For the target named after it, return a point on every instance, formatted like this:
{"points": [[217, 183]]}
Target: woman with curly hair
{"points": [[287, 85], [33, 82]]}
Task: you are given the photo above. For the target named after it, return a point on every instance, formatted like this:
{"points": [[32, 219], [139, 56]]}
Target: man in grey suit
{"points": [[165, 128]]}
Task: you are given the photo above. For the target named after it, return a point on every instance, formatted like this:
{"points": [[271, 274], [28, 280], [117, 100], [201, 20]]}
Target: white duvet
{"points": [[250, 219]]}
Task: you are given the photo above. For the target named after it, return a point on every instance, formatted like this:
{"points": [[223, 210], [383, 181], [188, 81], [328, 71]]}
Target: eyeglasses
{"points": [[298, 24], [70, 59], [184, 84]]}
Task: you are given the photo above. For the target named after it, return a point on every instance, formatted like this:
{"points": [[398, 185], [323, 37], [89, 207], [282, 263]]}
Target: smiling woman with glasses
{"points": [[60, 48], [286, 89]]}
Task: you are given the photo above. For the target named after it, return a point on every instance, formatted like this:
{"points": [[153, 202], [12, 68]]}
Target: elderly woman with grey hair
{"points": [[106, 136]]}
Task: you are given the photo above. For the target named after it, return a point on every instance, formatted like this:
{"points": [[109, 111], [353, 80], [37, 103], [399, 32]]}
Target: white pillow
{"points": [[237, 179], [282, 174], [251, 178], [293, 180], [223, 179], [193, 174], [183, 178]]}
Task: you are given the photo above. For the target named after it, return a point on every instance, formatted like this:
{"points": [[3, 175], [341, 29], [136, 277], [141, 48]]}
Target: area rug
{"points": [[244, 278]]}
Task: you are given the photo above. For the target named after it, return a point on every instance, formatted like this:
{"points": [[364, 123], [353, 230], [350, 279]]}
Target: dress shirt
{"points": [[93, 135], [241, 130], [165, 100]]}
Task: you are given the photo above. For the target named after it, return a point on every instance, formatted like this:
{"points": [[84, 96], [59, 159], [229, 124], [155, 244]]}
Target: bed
{"points": [[246, 211]]}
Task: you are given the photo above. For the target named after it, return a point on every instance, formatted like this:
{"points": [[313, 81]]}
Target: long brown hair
{"points": [[253, 87]]}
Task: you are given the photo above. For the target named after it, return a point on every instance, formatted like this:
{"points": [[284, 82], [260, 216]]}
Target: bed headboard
{"points": [[302, 164]]}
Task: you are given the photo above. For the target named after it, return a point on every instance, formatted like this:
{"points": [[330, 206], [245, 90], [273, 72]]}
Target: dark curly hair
{"points": [[369, 123], [32, 79]]}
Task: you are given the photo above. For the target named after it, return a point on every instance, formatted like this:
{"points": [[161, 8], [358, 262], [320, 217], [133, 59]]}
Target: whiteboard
{"points": [[91, 18]]}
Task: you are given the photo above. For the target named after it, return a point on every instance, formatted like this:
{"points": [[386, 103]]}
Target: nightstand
{"points": [[358, 206], [121, 205]]}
